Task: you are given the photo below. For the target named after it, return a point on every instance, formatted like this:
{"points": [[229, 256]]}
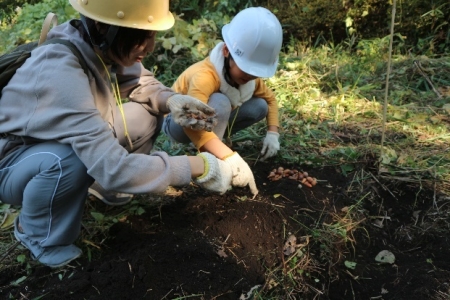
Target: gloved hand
{"points": [[192, 113], [242, 175], [271, 145], [217, 175]]}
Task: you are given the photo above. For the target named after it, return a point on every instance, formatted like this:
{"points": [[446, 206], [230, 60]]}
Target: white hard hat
{"points": [[140, 14], [254, 37]]}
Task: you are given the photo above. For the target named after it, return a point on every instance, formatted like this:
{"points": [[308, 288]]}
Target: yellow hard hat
{"points": [[141, 14]]}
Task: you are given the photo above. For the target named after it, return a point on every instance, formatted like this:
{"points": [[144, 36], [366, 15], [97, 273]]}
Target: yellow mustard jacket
{"points": [[201, 80]]}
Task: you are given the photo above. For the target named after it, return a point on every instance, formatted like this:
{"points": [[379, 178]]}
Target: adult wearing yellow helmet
{"points": [[63, 129]]}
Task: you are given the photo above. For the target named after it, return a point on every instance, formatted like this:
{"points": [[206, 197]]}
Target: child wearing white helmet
{"points": [[229, 80], [64, 127]]}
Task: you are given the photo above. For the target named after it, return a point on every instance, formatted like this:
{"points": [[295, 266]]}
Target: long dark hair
{"points": [[125, 40]]}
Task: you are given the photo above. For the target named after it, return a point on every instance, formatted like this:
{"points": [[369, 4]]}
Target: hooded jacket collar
{"points": [[239, 95]]}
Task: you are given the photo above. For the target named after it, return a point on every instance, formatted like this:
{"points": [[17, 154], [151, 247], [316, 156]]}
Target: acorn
{"points": [[307, 184], [286, 173], [294, 176], [310, 179]]}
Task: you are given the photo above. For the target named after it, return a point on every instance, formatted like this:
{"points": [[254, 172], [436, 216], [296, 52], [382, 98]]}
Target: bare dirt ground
{"points": [[204, 246]]}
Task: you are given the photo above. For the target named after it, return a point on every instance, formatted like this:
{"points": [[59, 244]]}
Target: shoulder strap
{"points": [[72, 48], [50, 19]]}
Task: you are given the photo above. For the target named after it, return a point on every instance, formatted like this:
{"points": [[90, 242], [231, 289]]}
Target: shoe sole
{"points": [[103, 199], [36, 259], [64, 263]]}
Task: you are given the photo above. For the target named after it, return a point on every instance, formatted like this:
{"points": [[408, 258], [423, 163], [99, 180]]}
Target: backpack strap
{"points": [[72, 48], [50, 19]]}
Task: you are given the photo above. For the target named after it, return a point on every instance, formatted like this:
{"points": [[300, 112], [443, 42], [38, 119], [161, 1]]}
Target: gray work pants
{"points": [[229, 121], [51, 183]]}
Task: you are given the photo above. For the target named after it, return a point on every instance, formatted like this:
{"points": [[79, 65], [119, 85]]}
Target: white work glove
{"points": [[242, 175], [217, 175], [192, 113], [271, 145]]}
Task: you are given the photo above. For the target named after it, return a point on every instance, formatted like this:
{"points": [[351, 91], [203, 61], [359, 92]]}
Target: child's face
{"points": [[237, 75], [138, 53]]}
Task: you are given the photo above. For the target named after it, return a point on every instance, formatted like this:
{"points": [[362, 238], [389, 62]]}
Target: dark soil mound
{"points": [[204, 246]]}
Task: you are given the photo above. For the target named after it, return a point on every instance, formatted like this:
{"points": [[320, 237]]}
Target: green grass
{"points": [[332, 111]]}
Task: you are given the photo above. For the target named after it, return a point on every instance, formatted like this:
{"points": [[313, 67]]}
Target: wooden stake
{"points": [[388, 72]]}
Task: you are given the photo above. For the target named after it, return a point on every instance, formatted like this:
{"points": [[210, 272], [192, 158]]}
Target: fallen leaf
{"points": [[249, 294], [8, 219], [222, 253], [378, 223], [350, 264], [385, 256], [290, 245]]}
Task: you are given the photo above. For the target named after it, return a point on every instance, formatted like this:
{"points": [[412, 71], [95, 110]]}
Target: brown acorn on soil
{"points": [[307, 183], [294, 176], [287, 173], [277, 177]]}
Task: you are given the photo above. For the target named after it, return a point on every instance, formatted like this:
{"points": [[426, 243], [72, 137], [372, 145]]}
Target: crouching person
{"points": [[65, 131]]}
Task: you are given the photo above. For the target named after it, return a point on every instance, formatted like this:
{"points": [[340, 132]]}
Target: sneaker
{"points": [[53, 257], [110, 198]]}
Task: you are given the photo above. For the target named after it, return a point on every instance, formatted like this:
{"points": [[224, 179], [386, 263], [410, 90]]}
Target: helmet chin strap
{"points": [[107, 40]]}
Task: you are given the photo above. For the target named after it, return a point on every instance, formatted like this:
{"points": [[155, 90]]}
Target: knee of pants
{"points": [[144, 138], [66, 174], [146, 128], [258, 109], [174, 131], [251, 112], [75, 173], [143, 127], [33, 169], [221, 105]]}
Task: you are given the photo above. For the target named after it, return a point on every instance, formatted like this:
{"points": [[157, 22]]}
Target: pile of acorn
{"points": [[302, 177]]}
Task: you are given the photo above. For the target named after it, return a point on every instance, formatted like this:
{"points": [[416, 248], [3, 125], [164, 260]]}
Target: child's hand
{"points": [[271, 145]]}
